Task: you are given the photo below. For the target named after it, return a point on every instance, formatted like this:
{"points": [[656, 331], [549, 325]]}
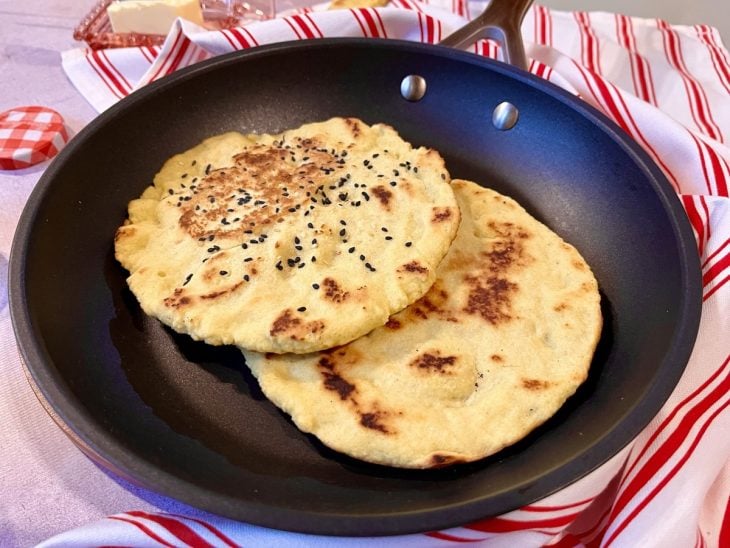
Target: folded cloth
{"points": [[666, 86]]}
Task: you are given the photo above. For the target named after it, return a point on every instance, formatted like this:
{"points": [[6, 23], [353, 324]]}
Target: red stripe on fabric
{"points": [[716, 252], [98, 72], [303, 26], [217, 532], [251, 37], [590, 52], [420, 25], [175, 527], [705, 209], [695, 95], [164, 61], [695, 220], [566, 541], [111, 65], [721, 183], [721, 69], [240, 38], [108, 72], [229, 39], [451, 538], [314, 25], [715, 288], [430, 29], [370, 22], [716, 270], [703, 163], [296, 32], [724, 536], [144, 529], [354, 13], [535, 508], [149, 53], [383, 32], [502, 525], [665, 423], [644, 502], [181, 52], [625, 35]]}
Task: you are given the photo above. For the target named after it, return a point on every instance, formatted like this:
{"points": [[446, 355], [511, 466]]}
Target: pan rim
{"points": [[72, 412]]}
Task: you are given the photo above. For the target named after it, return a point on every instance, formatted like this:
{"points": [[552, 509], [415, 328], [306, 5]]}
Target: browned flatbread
{"points": [[293, 242], [504, 336]]}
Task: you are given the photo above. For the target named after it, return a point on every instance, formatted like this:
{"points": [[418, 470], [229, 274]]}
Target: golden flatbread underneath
{"points": [[293, 242], [505, 335]]}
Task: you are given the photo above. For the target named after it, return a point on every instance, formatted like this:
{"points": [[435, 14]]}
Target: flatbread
{"points": [[505, 335], [289, 243]]}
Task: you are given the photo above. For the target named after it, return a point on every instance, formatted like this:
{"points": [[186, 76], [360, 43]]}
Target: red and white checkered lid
{"points": [[29, 135]]}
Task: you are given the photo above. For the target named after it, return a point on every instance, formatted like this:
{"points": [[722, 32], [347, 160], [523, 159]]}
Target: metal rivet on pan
{"points": [[413, 87], [505, 116]]}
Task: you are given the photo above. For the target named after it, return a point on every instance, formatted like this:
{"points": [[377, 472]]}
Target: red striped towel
{"points": [[668, 87]]}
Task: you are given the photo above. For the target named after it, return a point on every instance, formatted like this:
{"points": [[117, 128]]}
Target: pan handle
{"points": [[500, 21]]}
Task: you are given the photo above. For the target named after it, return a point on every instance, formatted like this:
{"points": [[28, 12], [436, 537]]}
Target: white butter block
{"points": [[152, 16]]}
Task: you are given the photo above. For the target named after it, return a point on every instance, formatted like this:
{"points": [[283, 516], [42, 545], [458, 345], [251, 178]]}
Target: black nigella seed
{"points": [[213, 249], [393, 183], [415, 170], [202, 239], [315, 286], [223, 272], [314, 259], [183, 176], [409, 244], [343, 232], [170, 191], [343, 222], [366, 196], [443, 176], [389, 237], [211, 237], [376, 155], [301, 308], [298, 247], [279, 266], [301, 265], [383, 229], [244, 246], [351, 250], [248, 259], [194, 162], [187, 279], [362, 257], [246, 277], [310, 225], [296, 240], [366, 163], [207, 169], [291, 262]]}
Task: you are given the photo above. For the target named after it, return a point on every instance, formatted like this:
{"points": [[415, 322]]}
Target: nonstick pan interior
{"points": [[187, 420]]}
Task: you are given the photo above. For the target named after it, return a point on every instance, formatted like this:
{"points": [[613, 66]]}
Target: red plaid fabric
{"points": [[30, 135]]}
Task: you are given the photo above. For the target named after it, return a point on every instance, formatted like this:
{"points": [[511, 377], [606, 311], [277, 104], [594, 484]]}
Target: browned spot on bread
{"points": [[382, 194], [392, 323], [285, 322], [433, 362], [354, 126], [373, 420], [441, 214], [579, 265], [216, 294], [124, 232], [491, 298], [497, 358], [432, 304], [534, 384], [439, 461], [560, 307], [333, 291], [263, 185], [413, 266]]}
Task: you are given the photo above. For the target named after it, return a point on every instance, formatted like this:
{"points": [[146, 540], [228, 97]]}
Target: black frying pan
{"points": [[187, 420]]}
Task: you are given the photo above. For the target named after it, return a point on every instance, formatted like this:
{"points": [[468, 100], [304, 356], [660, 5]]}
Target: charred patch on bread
{"points": [[440, 461], [496, 358], [434, 362], [490, 298], [441, 214], [413, 266], [434, 304], [354, 126], [383, 195], [294, 327], [373, 420], [333, 292], [333, 381], [394, 324], [534, 385]]}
